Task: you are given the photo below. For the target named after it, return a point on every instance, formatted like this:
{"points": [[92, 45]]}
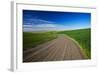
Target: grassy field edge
{"points": [[31, 39], [81, 49]]}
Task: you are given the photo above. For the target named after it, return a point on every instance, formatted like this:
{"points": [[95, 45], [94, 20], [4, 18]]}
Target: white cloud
{"points": [[27, 26], [39, 27], [45, 25], [36, 21]]}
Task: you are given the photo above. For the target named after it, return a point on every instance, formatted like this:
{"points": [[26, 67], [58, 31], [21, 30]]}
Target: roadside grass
{"points": [[31, 39], [83, 37]]}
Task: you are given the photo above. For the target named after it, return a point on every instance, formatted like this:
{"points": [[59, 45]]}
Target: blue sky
{"points": [[51, 20]]}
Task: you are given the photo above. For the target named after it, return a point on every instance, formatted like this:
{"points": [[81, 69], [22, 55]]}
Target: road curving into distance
{"points": [[61, 48]]}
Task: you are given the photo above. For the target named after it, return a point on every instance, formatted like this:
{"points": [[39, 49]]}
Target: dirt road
{"points": [[61, 48]]}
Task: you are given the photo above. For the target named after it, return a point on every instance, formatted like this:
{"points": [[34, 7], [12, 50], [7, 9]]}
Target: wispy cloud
{"points": [[44, 25], [41, 27], [36, 21], [27, 26], [38, 25]]}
